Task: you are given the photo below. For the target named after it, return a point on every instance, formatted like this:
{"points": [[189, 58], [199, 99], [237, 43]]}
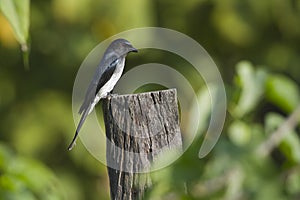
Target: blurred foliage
{"points": [[24, 178], [256, 45], [236, 169]]}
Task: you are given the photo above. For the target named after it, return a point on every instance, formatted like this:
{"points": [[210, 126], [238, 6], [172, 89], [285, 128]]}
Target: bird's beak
{"points": [[132, 49]]}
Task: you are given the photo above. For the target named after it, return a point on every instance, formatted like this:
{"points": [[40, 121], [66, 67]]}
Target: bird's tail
{"points": [[82, 119]]}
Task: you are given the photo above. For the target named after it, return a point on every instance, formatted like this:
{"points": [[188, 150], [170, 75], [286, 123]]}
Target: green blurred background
{"points": [[255, 44]]}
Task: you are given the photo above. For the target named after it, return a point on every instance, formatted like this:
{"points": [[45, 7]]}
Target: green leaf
{"points": [[283, 92], [17, 13], [252, 83]]}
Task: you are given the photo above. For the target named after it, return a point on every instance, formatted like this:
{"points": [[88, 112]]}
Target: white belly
{"points": [[109, 86]]}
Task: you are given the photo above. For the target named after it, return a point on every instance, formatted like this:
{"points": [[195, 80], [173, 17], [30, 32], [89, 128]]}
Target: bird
{"points": [[107, 74]]}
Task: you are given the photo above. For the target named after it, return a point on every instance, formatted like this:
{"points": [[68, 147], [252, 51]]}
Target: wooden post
{"points": [[139, 128]]}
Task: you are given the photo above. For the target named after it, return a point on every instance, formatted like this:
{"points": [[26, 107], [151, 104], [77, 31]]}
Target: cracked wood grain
{"points": [[140, 128]]}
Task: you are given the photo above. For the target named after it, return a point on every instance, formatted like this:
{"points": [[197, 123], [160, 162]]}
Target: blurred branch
{"points": [[275, 138]]}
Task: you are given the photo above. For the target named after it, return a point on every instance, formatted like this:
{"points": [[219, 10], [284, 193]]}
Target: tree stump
{"points": [[139, 129]]}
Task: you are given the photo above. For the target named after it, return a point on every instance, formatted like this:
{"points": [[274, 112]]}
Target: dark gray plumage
{"points": [[106, 76]]}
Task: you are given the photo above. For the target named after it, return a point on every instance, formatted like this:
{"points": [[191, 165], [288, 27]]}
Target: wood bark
{"points": [[140, 130]]}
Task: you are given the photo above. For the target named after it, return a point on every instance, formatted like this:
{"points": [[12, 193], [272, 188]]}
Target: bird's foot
{"points": [[110, 95]]}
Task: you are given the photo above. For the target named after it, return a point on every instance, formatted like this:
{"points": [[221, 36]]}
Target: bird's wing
{"points": [[102, 75], [107, 74]]}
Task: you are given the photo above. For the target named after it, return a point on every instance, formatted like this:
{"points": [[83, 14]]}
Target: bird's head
{"points": [[122, 47]]}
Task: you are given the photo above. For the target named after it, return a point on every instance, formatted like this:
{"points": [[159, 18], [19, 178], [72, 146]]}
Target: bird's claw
{"points": [[111, 95]]}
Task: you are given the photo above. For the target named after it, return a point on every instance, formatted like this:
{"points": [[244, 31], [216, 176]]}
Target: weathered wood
{"points": [[139, 128]]}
